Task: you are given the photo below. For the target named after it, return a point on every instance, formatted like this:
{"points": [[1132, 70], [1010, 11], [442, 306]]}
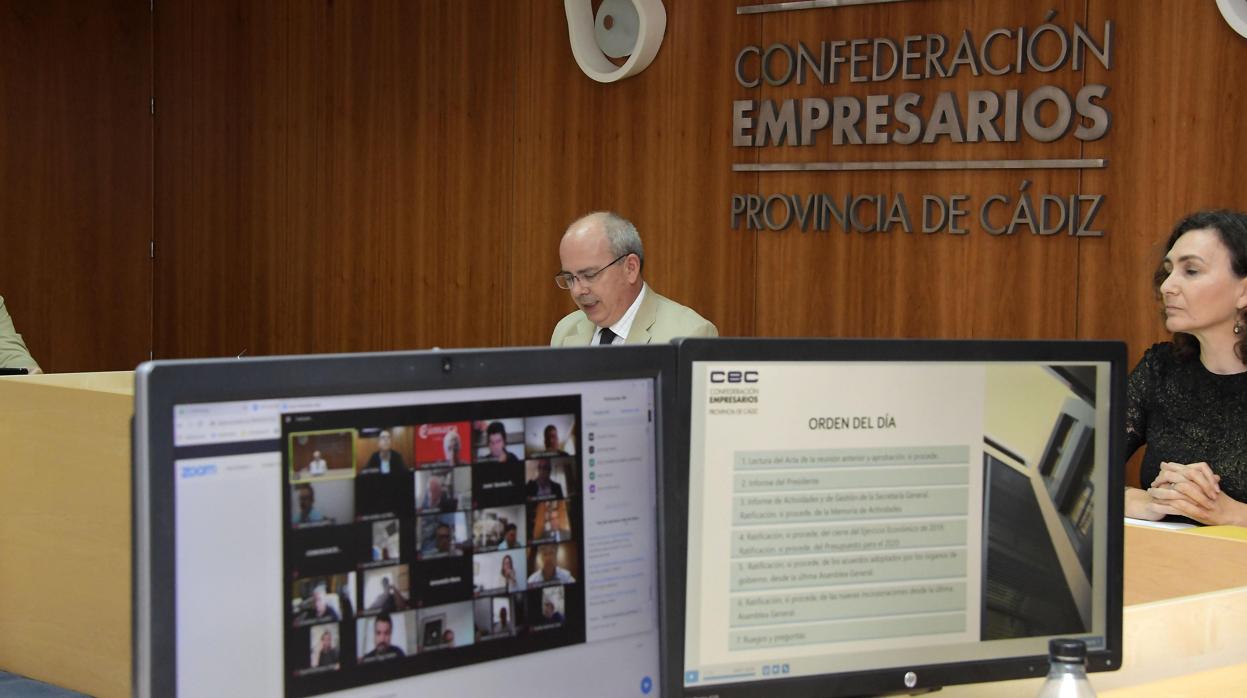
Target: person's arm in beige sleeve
{"points": [[705, 329], [13, 352]]}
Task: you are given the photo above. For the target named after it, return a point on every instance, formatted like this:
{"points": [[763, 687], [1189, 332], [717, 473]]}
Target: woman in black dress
{"points": [[1188, 398]]}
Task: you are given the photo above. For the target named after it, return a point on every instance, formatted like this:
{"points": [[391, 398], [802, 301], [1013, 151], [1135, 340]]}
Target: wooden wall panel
{"points": [[401, 177], [220, 176], [326, 173], [75, 177], [700, 259], [650, 147], [340, 176], [897, 284], [1176, 146], [383, 175]]}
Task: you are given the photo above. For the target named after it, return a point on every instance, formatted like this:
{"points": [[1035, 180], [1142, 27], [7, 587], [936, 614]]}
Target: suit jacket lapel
{"points": [[645, 317], [584, 334]]}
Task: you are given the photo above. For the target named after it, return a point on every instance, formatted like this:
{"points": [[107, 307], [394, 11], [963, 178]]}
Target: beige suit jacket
{"points": [[658, 321], [13, 353]]}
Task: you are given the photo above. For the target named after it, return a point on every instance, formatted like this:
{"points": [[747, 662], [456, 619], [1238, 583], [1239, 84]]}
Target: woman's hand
{"points": [[1140, 505], [1195, 480], [1194, 491]]}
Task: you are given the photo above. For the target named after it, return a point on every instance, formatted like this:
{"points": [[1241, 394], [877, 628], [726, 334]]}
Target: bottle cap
{"points": [[1064, 650]]}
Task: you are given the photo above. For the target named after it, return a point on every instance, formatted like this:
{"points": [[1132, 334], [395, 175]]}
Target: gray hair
{"points": [[621, 234]]}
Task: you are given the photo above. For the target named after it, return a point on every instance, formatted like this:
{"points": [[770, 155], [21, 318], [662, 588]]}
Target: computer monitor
{"points": [[865, 517], [434, 523]]}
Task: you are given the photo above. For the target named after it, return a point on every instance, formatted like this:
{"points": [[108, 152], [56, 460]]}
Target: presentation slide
{"points": [[851, 515]]}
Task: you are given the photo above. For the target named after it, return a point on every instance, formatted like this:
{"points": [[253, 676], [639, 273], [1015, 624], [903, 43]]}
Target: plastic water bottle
{"points": [[1067, 673]]}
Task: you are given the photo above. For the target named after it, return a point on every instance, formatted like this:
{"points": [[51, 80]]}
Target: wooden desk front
{"points": [[65, 530], [1184, 622]]}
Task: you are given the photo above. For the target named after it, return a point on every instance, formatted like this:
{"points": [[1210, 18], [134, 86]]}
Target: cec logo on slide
{"points": [[733, 376]]}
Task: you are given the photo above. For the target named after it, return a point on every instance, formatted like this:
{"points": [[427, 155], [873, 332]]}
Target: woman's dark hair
{"points": [[1231, 227]]}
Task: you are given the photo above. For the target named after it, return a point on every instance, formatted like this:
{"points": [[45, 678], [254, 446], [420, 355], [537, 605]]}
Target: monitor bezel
{"points": [[161, 385], [673, 514]]}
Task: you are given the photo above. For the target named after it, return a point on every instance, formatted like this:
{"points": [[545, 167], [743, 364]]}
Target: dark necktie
{"points": [[607, 336]]}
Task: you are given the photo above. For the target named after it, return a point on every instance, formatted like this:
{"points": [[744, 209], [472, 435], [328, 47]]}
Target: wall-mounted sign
{"points": [[890, 115]]}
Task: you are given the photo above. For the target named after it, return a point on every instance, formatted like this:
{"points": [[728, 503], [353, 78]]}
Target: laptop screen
{"points": [[500, 537]]}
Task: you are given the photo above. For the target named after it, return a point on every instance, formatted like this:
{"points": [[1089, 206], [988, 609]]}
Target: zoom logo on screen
{"points": [[733, 376], [189, 471]]}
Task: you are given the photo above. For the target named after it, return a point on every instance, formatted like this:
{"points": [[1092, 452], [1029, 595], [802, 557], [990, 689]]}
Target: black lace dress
{"points": [[1187, 414]]}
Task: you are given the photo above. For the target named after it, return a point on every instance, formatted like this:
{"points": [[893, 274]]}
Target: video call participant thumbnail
{"points": [[443, 535], [386, 540], [305, 511], [443, 580], [490, 526], [550, 603], [442, 445], [325, 652], [322, 599], [320, 609], [386, 589], [551, 521], [499, 572], [494, 617], [322, 503], [546, 478], [436, 496], [322, 455], [383, 457], [553, 563], [497, 443], [446, 627], [383, 482], [552, 435], [380, 496], [512, 538], [380, 639], [497, 484], [443, 490]]}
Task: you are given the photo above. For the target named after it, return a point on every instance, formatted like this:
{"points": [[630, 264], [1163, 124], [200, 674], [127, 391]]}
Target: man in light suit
{"points": [[601, 260], [13, 353]]}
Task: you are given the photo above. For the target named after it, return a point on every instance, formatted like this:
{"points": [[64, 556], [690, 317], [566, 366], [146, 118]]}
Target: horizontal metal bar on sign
{"points": [[1081, 164], [803, 5]]}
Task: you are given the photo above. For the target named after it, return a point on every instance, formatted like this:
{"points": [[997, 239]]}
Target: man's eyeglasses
{"points": [[565, 279]]}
